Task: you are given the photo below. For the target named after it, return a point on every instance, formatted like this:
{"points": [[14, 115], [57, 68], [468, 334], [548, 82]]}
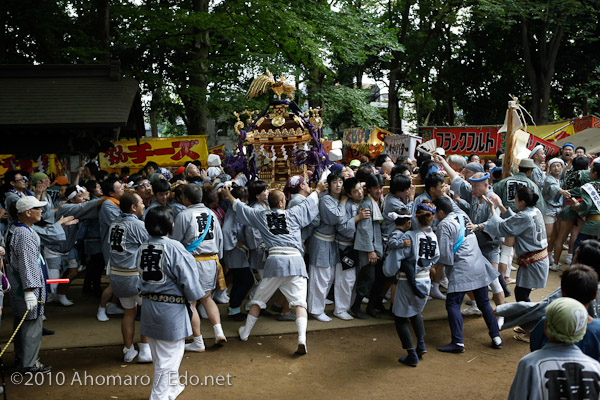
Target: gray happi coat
{"points": [[125, 236], [167, 268], [529, 231], [81, 211], [280, 230], [368, 235], [507, 190], [479, 212], [467, 269], [296, 199], [537, 175], [189, 226], [392, 204], [462, 188], [254, 242], [420, 245], [323, 253], [554, 200], [233, 232], [108, 213]]}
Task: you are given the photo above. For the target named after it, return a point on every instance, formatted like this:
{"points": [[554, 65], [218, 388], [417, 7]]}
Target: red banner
{"points": [[482, 140]]}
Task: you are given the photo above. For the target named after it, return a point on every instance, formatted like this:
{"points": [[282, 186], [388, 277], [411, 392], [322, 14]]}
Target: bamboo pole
{"points": [[509, 140]]}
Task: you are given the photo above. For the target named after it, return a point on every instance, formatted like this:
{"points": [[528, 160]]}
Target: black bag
{"points": [[349, 258]]}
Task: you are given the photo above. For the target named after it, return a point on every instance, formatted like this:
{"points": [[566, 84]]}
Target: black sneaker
{"points": [[357, 312], [276, 309], [238, 317], [265, 313], [38, 367], [47, 332]]}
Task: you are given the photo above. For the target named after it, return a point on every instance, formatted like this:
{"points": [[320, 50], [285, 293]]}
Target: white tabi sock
{"points": [[301, 323], [436, 285], [199, 340], [218, 331], [250, 321]]}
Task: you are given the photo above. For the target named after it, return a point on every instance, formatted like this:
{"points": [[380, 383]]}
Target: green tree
{"points": [[544, 28]]}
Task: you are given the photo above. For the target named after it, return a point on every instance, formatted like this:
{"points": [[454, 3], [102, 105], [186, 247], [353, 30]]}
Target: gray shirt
{"points": [[368, 234], [322, 247], [280, 230], [233, 232], [191, 223], [556, 371], [466, 269], [81, 211], [507, 190], [554, 200], [529, 231], [167, 268], [392, 204], [108, 213], [537, 175], [126, 234]]}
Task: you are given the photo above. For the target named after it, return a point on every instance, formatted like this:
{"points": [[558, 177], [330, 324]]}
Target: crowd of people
{"points": [[177, 241]]}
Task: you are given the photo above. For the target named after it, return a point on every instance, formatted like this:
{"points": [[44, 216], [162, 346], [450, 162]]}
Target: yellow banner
{"points": [[166, 152], [47, 163], [218, 150], [552, 132], [359, 136]]}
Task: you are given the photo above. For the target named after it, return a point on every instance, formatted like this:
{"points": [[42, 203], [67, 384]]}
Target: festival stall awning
{"points": [[359, 141], [166, 152], [482, 140], [587, 138], [552, 132]]}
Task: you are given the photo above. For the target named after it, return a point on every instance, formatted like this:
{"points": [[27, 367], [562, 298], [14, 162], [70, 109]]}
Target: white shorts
{"points": [[549, 219], [130, 302], [294, 289]]}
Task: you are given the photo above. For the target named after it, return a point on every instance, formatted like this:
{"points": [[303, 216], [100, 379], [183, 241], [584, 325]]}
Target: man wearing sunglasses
{"points": [[17, 188]]}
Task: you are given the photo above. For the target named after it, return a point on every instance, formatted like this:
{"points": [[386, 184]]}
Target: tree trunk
{"points": [[314, 87], [103, 27], [154, 104], [195, 101], [539, 65], [393, 110], [449, 80]]}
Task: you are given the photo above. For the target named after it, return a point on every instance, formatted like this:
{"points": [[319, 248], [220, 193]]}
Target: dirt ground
{"points": [[356, 362], [346, 359]]}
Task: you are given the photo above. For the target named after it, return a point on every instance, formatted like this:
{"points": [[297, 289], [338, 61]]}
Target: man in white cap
{"points": [[559, 369], [538, 156], [28, 293]]}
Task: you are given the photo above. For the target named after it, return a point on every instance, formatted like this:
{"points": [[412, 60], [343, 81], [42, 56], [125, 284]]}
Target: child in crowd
{"points": [[412, 253]]}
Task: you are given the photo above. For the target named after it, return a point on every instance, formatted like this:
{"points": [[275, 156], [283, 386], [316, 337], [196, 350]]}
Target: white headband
{"points": [[78, 189], [535, 150], [556, 160], [295, 180], [395, 216]]}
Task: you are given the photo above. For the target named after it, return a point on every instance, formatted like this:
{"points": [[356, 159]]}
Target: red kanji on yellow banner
{"points": [[166, 152]]}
